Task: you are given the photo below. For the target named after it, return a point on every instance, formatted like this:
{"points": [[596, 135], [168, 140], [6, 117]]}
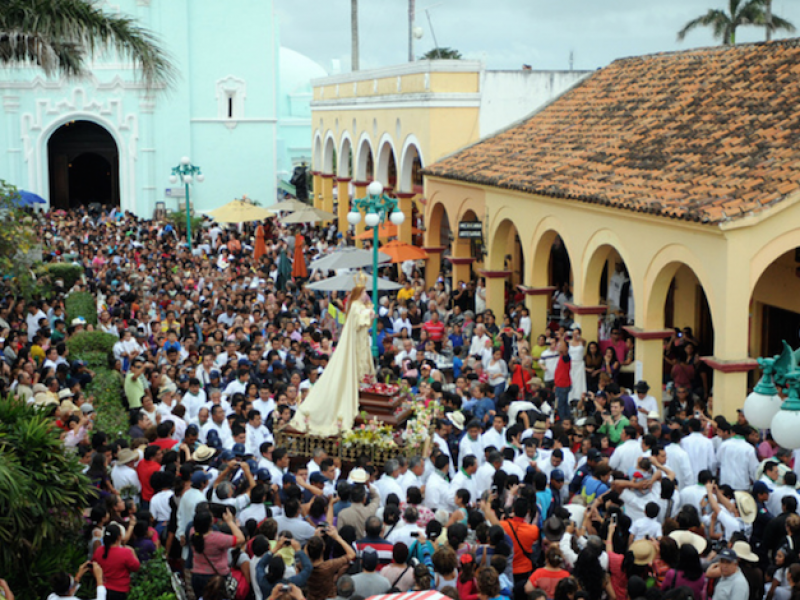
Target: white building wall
{"points": [[508, 96]]}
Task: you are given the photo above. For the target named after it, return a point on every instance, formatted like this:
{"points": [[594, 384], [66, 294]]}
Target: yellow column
{"points": [[344, 203], [537, 301], [317, 189], [327, 192], [588, 325], [685, 299], [461, 268], [496, 291], [404, 204], [433, 265], [360, 191], [649, 365]]}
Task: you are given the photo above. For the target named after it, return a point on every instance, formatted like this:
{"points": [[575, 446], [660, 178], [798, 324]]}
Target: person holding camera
{"points": [[211, 548], [65, 586]]}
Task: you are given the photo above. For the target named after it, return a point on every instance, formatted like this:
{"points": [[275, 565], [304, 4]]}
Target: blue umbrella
{"points": [[25, 198]]}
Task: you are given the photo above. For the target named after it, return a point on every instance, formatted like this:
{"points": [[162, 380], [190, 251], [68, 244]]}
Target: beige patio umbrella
{"points": [[308, 215], [240, 211], [289, 205]]}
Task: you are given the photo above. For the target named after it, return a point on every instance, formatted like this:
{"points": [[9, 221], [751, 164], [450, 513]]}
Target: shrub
{"points": [[67, 272], [81, 304], [42, 495], [110, 417], [92, 346], [153, 581]]}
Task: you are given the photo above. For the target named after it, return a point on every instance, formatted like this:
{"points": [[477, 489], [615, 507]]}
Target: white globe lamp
{"points": [[173, 179], [185, 160], [375, 188], [786, 425], [372, 220], [353, 217], [763, 403], [418, 32], [187, 179], [201, 178], [397, 217]]}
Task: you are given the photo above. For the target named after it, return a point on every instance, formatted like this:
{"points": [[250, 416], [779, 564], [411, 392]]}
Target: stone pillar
{"points": [[461, 268], [496, 291], [730, 384], [344, 203], [537, 301], [360, 191], [649, 359], [404, 204], [433, 265], [685, 299], [586, 318], [317, 195], [327, 192]]}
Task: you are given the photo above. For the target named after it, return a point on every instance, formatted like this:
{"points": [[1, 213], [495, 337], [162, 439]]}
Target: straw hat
{"points": [[457, 419], [745, 552], [65, 393], [68, 405], [126, 455], [203, 453], [644, 552], [359, 475], [747, 506], [44, 399], [687, 537]]}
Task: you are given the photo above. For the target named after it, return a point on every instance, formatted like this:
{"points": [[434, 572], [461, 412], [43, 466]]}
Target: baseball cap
{"points": [[227, 455], [369, 559], [239, 450], [317, 477], [557, 474], [727, 554], [593, 454], [87, 409], [263, 475], [199, 477], [760, 487], [289, 478]]}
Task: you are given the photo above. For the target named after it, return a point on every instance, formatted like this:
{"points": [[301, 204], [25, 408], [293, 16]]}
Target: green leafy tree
{"points": [[740, 13], [43, 492], [442, 53], [177, 218], [17, 240], [60, 35]]}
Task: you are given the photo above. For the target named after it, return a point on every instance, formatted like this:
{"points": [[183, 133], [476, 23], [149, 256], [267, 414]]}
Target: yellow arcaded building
{"points": [[681, 168]]}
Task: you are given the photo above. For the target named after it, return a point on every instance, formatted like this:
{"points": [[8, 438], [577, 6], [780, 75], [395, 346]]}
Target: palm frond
{"points": [[59, 35], [717, 19], [779, 23]]}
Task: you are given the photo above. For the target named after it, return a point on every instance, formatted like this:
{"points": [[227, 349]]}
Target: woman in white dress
{"points": [[480, 296], [332, 404], [577, 370]]}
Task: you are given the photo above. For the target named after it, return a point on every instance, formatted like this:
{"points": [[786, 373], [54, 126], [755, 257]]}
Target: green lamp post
{"points": [[186, 173], [376, 207]]}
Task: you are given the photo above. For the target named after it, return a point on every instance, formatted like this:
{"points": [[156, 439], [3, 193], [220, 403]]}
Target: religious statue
{"points": [[300, 182], [332, 404]]}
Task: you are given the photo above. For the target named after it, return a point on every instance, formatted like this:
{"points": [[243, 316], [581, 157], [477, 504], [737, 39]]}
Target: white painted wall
{"points": [[508, 96]]}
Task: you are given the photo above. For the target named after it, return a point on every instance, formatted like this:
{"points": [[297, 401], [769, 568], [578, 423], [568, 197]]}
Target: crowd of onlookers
{"points": [[550, 472]]}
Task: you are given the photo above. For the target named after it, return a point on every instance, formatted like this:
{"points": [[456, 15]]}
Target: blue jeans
{"points": [[562, 405]]}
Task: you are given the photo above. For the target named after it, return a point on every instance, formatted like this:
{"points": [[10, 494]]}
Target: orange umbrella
{"points": [[261, 248], [386, 230], [299, 266], [400, 251]]}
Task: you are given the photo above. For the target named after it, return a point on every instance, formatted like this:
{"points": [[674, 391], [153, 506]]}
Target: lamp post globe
{"points": [[760, 409], [398, 218], [185, 160], [786, 429], [372, 220], [375, 188], [187, 179], [201, 178], [353, 217], [173, 179]]}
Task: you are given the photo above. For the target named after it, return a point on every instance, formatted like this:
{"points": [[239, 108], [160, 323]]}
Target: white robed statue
{"points": [[332, 404]]}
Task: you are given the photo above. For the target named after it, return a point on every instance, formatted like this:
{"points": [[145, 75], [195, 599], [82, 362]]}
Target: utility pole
{"points": [[411, 11], [768, 19], [354, 35]]}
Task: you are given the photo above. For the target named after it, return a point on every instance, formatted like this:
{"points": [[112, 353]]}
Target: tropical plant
{"points": [[81, 304], [106, 392], [60, 35], [153, 581], [66, 272], [92, 346], [442, 53], [17, 236], [740, 13], [177, 219], [42, 495]]}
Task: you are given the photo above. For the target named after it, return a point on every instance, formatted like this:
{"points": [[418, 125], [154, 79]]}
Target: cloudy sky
{"points": [[504, 33]]}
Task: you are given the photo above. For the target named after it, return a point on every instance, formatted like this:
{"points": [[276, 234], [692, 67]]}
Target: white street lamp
{"points": [[372, 219], [375, 188], [398, 218], [354, 217]]}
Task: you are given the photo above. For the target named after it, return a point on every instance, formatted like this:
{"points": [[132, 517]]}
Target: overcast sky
{"points": [[504, 33]]}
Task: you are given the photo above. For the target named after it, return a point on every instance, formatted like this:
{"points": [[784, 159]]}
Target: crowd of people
{"points": [[549, 473]]}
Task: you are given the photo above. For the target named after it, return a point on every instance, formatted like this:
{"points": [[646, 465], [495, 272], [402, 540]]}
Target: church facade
{"points": [[106, 138]]}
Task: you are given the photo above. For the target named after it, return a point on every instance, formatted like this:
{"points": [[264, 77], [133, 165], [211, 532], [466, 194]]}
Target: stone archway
{"points": [[83, 164]]}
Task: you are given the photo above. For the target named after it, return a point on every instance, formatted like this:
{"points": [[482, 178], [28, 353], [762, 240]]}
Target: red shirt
{"points": [[435, 330], [165, 443], [562, 378], [117, 567], [145, 471], [528, 535]]}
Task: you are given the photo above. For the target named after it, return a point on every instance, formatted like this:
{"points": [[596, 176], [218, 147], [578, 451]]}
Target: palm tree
{"points": [[354, 35], [443, 53], [740, 13], [60, 35]]}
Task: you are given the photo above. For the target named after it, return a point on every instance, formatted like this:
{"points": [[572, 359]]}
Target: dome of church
{"points": [[297, 71]]}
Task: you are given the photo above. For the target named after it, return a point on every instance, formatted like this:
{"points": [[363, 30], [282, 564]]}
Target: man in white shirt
{"points": [[699, 448], [194, 399], [32, 320], [496, 435], [464, 480], [388, 483], [479, 341], [549, 361], [471, 444], [648, 526], [255, 432], [123, 475], [737, 460], [645, 403], [264, 404], [678, 460], [407, 353], [627, 453], [437, 487], [218, 423], [484, 477], [238, 385], [416, 475], [407, 531]]}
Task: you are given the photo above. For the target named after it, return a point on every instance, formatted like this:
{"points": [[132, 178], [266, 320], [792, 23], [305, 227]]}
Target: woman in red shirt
{"points": [[117, 562]]}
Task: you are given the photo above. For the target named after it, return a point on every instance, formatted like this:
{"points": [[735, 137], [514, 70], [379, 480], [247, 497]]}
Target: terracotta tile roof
{"points": [[704, 135]]}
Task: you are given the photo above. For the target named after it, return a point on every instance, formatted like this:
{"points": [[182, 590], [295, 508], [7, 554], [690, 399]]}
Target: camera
{"points": [[218, 510]]}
